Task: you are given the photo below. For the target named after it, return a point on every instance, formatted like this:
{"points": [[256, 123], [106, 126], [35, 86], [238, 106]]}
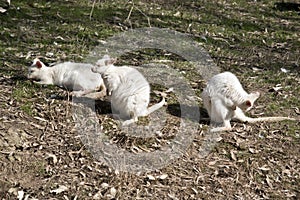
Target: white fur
{"points": [[76, 77], [224, 99], [128, 88]]}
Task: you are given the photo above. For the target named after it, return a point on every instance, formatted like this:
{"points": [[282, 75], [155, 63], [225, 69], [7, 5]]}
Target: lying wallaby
{"points": [[224, 99], [75, 77], [128, 89]]}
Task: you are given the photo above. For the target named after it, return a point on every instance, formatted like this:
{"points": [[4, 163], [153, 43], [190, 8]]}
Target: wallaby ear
{"points": [[253, 96], [257, 94], [107, 57], [110, 61], [248, 103], [39, 64]]}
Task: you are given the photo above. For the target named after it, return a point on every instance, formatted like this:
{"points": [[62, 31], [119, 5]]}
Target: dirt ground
{"points": [[49, 148]]}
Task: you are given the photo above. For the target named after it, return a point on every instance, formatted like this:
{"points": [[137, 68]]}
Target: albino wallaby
{"points": [[128, 89], [224, 99], [75, 77]]}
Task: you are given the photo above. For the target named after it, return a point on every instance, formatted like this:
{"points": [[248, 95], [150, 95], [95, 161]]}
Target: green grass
{"points": [[27, 108], [68, 32]]}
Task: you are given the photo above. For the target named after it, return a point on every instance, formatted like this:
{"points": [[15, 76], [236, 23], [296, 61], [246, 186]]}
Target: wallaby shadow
{"points": [[19, 77], [100, 107], [193, 113], [287, 6], [11, 81], [103, 107]]}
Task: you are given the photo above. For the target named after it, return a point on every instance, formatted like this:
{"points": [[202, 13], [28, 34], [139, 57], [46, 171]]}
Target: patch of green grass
{"points": [[27, 108], [22, 95], [24, 90], [19, 94], [272, 107], [38, 168]]}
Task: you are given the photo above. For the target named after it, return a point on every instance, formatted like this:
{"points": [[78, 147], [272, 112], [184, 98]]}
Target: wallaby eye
{"points": [[248, 103]]}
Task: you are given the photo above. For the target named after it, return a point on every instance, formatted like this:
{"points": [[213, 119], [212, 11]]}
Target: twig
{"points": [[144, 15], [92, 10], [6, 152], [130, 12]]}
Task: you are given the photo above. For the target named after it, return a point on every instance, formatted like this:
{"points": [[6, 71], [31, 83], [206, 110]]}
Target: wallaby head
{"points": [[106, 60], [103, 63], [37, 71], [248, 104]]}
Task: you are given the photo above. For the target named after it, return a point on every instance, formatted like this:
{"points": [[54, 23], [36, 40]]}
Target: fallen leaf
{"points": [[269, 182], [297, 111], [150, 177], [20, 194], [13, 191], [255, 69], [163, 176], [284, 70], [59, 190], [264, 168], [2, 10], [232, 154], [276, 89], [53, 157], [196, 191], [98, 195], [104, 185], [253, 151], [212, 162], [112, 193], [177, 14], [169, 90]]}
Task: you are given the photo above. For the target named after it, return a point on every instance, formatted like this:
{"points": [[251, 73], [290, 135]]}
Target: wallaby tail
{"points": [[157, 106], [268, 119]]}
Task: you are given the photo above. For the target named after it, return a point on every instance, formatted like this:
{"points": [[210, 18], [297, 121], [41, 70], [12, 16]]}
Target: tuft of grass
{"points": [[27, 108]]}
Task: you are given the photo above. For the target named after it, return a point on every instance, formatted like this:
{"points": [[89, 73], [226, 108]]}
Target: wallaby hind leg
{"points": [[220, 115], [80, 93], [129, 121], [92, 94], [239, 115], [96, 95], [226, 127]]}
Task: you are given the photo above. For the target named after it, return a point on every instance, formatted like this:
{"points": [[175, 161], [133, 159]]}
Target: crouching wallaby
{"points": [[75, 77], [128, 89], [224, 99]]}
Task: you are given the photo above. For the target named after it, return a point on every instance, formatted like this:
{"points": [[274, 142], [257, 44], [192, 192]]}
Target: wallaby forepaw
{"points": [[76, 93]]}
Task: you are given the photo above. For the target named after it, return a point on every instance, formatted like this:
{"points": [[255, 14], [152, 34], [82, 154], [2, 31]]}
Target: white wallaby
{"points": [[128, 89], [224, 99], [75, 77]]}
